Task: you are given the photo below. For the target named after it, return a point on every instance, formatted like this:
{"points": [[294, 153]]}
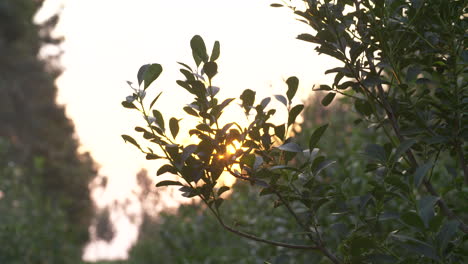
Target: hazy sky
{"points": [[106, 41]]}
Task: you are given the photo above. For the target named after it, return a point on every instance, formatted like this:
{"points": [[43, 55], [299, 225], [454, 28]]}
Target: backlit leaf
{"points": [[174, 127], [198, 47], [293, 84], [128, 138], [168, 183], [215, 52], [314, 139], [295, 111], [328, 99]]}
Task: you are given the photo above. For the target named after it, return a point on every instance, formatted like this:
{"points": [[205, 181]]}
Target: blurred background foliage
{"points": [[45, 208]]}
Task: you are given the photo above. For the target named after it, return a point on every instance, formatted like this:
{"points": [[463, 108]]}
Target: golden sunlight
{"points": [[226, 178]]}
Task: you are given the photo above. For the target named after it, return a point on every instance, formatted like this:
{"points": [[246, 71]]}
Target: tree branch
{"points": [[320, 247]]}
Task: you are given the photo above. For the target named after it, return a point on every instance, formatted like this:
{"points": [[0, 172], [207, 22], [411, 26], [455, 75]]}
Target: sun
{"points": [[226, 178], [231, 149]]}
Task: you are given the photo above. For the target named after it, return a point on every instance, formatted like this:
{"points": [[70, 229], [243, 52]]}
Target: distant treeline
{"points": [[42, 176]]}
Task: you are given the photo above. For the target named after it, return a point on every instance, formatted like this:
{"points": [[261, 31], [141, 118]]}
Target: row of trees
{"points": [[45, 203], [386, 187]]}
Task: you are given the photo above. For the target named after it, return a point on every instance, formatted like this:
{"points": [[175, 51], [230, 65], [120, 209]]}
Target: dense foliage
{"points": [[390, 187], [54, 201], [33, 228]]}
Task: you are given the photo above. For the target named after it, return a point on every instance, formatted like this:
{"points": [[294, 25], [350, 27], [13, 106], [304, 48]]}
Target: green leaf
{"points": [[420, 173], [426, 208], [222, 190], [141, 73], [166, 168], [328, 99], [215, 52], [168, 183], [290, 147], [204, 127], [189, 110], [248, 99], [211, 69], [282, 99], [315, 138], [276, 5], [248, 160], [446, 233], [151, 156], [152, 73], [323, 165], [159, 119], [198, 47], [417, 246], [186, 66], [309, 38], [376, 152], [154, 100], [128, 138], [295, 111], [280, 130], [196, 58], [412, 219], [174, 127], [293, 84], [363, 107], [128, 105], [403, 147], [359, 244], [187, 152], [323, 87]]}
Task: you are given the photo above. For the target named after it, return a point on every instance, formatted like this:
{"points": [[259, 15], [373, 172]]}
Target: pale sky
{"points": [[106, 41]]}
